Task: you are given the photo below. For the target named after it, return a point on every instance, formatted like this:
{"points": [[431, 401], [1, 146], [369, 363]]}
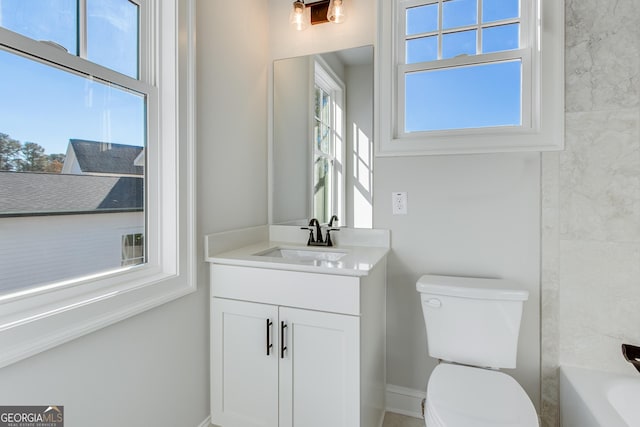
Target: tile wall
{"points": [[591, 199]]}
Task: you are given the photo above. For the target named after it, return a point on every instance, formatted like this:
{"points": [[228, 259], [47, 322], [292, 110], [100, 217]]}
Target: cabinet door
{"points": [[244, 378], [319, 371]]}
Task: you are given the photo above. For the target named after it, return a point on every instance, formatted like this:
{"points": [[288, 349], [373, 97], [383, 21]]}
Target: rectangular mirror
{"points": [[322, 148]]}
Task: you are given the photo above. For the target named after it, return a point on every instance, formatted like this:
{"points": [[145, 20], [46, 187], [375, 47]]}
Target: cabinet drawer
{"points": [[325, 292]]}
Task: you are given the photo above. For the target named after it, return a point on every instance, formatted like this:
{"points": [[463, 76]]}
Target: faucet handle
{"points": [[328, 239], [311, 239]]}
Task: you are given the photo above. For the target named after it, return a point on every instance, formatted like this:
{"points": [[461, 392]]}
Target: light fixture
{"points": [[316, 13], [336, 14], [299, 17]]}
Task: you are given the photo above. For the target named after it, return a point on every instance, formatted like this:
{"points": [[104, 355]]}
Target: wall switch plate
{"points": [[399, 202]]}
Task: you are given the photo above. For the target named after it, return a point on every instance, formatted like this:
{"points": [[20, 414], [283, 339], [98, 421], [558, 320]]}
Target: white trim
{"points": [[36, 320], [82, 28], [404, 401], [206, 422], [48, 54]]}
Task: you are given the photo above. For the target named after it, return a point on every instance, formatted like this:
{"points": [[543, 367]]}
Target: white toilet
{"points": [[472, 327]]}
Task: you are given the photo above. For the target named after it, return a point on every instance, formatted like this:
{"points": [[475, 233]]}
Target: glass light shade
{"points": [[300, 16], [336, 12]]}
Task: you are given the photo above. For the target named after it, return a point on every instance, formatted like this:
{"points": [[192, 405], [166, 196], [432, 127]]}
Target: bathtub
{"points": [[598, 399]]}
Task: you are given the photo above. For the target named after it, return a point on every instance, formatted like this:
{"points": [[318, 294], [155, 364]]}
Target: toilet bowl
{"points": [[473, 326], [463, 396]]}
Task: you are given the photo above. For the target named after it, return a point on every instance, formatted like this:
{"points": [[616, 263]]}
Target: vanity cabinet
{"points": [[276, 364], [286, 354]]}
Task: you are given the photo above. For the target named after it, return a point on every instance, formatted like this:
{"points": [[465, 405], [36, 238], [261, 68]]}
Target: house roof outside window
{"points": [[35, 194], [97, 177], [103, 158]]}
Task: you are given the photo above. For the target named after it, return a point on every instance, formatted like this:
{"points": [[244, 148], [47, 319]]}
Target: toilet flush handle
{"points": [[434, 302]]}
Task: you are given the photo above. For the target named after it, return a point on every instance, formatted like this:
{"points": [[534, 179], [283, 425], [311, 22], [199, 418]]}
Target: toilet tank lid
{"points": [[471, 287]]}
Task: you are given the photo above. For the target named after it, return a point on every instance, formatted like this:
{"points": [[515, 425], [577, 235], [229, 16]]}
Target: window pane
{"points": [[422, 19], [495, 10], [132, 249], [457, 13], [51, 20], [322, 106], [502, 37], [465, 97], [422, 49], [112, 35], [322, 137], [73, 177], [460, 43], [322, 185]]}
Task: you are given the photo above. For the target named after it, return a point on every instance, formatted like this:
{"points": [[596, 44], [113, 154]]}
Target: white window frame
{"points": [[34, 320], [330, 82], [542, 55]]}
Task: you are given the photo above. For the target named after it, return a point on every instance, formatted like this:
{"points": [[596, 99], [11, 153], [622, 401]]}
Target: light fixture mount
{"points": [[319, 11]]}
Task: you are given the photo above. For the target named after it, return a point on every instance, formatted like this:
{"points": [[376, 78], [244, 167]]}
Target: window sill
{"points": [[472, 143], [27, 333]]}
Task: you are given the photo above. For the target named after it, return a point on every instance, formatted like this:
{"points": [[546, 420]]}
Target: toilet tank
{"points": [[472, 321]]}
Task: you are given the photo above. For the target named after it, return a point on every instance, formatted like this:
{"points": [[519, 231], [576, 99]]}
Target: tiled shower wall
{"points": [[591, 199]]}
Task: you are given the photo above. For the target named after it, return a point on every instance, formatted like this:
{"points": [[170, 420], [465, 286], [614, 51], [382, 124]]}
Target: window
{"points": [[461, 65], [328, 144], [470, 76], [133, 249], [96, 83]]}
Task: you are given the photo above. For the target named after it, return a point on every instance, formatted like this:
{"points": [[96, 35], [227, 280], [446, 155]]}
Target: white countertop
{"points": [[358, 261], [364, 249]]}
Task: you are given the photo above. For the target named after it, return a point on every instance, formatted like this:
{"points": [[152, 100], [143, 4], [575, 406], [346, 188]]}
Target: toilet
{"points": [[472, 327]]}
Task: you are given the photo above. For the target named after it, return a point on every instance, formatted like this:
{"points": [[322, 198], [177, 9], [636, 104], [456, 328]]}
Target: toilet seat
{"points": [[464, 396]]}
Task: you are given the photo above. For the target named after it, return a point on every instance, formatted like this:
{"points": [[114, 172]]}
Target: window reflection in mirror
{"points": [[328, 143]]}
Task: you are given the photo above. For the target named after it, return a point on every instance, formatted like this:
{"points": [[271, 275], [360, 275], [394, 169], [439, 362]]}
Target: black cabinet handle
{"points": [[269, 344], [283, 347]]}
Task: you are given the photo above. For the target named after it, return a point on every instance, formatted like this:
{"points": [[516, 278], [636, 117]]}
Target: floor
{"points": [[396, 420]]}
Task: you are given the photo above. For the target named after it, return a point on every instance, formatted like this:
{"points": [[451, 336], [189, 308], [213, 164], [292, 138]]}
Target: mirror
{"points": [[322, 147]]}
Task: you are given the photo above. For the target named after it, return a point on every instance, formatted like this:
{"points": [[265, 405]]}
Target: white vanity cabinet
{"points": [[296, 349]]}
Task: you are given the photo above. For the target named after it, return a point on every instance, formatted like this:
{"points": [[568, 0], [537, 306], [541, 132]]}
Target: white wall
{"points": [[153, 369], [471, 215], [359, 192], [147, 370], [291, 148], [232, 117]]}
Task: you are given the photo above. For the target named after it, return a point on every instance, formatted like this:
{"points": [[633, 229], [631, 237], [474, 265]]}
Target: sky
{"points": [[49, 106], [464, 97]]}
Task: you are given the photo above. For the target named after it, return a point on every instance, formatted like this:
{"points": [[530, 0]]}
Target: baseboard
{"points": [[404, 401], [400, 400]]}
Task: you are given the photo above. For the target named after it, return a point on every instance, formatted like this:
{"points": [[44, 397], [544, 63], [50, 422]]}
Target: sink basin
{"points": [[303, 254]]}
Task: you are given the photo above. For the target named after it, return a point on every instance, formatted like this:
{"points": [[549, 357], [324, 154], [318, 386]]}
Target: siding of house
{"points": [[67, 246]]}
